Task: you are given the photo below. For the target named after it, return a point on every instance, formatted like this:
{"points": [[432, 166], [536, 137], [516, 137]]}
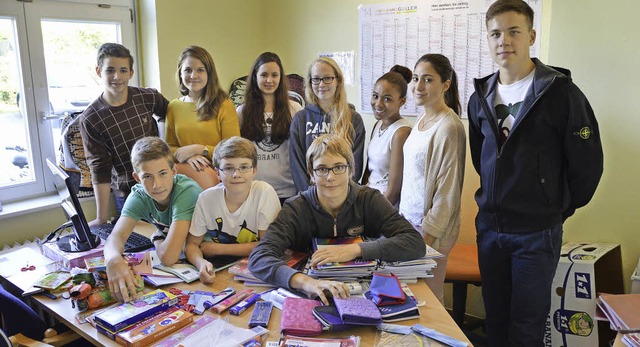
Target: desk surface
{"points": [[432, 315]]}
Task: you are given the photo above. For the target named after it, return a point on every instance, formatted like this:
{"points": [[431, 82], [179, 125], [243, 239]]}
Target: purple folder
{"points": [[358, 311]]}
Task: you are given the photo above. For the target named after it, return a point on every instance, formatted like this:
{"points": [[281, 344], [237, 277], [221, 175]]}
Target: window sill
{"points": [[37, 204]]}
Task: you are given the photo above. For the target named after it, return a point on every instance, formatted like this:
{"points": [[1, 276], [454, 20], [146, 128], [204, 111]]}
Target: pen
{"points": [[244, 304]]}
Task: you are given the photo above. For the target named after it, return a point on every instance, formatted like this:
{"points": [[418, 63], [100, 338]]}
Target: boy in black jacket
{"points": [[536, 145]]}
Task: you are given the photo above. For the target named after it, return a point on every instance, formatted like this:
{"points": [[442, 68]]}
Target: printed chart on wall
{"points": [[401, 32]]}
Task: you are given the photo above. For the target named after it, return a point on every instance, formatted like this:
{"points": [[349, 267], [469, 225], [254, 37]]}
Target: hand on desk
{"points": [[206, 273], [316, 288], [335, 254], [122, 283]]}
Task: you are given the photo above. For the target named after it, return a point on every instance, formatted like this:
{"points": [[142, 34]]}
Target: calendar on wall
{"points": [[401, 32]]}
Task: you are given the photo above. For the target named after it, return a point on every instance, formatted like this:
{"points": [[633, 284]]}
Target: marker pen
{"points": [[225, 304], [244, 304]]}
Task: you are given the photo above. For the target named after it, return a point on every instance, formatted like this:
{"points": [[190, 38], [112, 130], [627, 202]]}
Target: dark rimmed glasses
{"points": [[326, 80], [324, 171]]}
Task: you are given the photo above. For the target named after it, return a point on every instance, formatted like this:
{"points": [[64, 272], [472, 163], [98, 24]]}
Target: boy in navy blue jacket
{"points": [[536, 145]]}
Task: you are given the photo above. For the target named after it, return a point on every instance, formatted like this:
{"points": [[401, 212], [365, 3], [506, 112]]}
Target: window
{"points": [[47, 71]]}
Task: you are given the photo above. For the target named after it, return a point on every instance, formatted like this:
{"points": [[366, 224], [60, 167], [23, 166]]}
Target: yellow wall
{"points": [[597, 42]]}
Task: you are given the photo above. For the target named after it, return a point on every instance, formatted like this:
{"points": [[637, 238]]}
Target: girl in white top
{"points": [[265, 119], [434, 161], [385, 156]]}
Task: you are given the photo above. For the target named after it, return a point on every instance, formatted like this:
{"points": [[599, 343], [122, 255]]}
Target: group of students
{"points": [[289, 174]]}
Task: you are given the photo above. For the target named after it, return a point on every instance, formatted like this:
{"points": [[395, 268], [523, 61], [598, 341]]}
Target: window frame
{"points": [[34, 101]]}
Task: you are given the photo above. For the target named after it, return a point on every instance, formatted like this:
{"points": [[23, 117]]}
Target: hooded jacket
{"points": [[365, 212], [306, 126], [549, 165]]}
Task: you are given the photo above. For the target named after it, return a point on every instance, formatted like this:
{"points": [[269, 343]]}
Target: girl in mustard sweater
{"points": [[201, 118]]}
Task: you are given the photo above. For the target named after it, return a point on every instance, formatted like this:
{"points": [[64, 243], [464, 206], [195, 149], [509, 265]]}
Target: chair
{"points": [[51, 338], [72, 157], [462, 270], [26, 326]]}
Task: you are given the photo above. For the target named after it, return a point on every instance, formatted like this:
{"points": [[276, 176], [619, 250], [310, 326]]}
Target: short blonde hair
{"points": [[329, 144], [235, 147], [150, 148]]}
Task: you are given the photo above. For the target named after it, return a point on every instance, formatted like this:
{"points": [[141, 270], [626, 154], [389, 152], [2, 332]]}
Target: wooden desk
{"points": [[432, 315]]}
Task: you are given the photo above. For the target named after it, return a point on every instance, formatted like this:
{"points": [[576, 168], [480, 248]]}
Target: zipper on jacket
{"points": [[335, 227]]}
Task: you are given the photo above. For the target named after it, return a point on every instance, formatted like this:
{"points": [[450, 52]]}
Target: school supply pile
{"points": [[348, 271], [112, 321], [394, 300], [411, 270], [358, 270]]}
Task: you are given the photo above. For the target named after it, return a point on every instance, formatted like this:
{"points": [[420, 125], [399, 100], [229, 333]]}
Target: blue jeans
{"points": [[517, 271]]}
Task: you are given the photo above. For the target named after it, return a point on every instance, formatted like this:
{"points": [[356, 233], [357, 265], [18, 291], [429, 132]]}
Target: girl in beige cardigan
{"points": [[434, 161]]}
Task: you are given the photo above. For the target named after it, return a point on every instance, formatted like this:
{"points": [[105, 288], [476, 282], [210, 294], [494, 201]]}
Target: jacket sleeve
{"points": [[443, 179], [266, 259], [297, 152], [583, 151], [400, 242], [358, 145], [475, 133]]}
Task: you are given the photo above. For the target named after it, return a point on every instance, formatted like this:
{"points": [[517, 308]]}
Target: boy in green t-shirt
{"points": [[161, 197]]}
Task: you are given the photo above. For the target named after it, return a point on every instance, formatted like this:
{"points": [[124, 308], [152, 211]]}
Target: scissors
{"points": [[28, 268]]}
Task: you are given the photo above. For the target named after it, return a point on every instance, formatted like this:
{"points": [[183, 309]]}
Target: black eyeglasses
{"points": [[326, 80], [324, 171], [230, 170]]}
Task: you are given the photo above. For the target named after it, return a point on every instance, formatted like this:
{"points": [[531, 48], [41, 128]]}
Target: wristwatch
{"points": [[205, 152]]}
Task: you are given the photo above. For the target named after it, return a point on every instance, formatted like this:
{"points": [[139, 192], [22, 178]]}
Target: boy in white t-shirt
{"points": [[231, 217]]}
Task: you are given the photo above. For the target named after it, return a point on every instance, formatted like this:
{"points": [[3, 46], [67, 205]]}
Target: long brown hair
{"points": [[252, 119], [443, 67], [212, 97], [340, 111]]}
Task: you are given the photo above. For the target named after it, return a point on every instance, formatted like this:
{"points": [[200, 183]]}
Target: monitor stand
{"points": [[71, 244]]}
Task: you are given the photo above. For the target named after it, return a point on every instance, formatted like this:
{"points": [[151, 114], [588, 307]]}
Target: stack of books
{"points": [[411, 270], [143, 320], [358, 270], [348, 271], [621, 310], [241, 272]]}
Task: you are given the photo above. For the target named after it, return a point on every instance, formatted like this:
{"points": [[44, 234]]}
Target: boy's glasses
{"points": [[230, 170], [326, 80], [324, 171]]}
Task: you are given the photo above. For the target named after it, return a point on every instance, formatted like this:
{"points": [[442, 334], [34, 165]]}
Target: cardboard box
{"points": [[584, 270]]}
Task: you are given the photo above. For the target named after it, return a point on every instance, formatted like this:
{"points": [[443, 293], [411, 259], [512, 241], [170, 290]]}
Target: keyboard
{"points": [[135, 243]]}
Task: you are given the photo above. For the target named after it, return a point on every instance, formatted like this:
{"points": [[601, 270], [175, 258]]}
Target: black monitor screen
{"points": [[83, 239]]}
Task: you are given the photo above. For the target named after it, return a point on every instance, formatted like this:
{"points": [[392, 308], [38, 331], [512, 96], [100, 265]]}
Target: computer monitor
{"points": [[82, 239]]}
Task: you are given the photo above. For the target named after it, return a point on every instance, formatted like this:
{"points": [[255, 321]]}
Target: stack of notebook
{"points": [[411, 270], [407, 271], [622, 311], [344, 271]]}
